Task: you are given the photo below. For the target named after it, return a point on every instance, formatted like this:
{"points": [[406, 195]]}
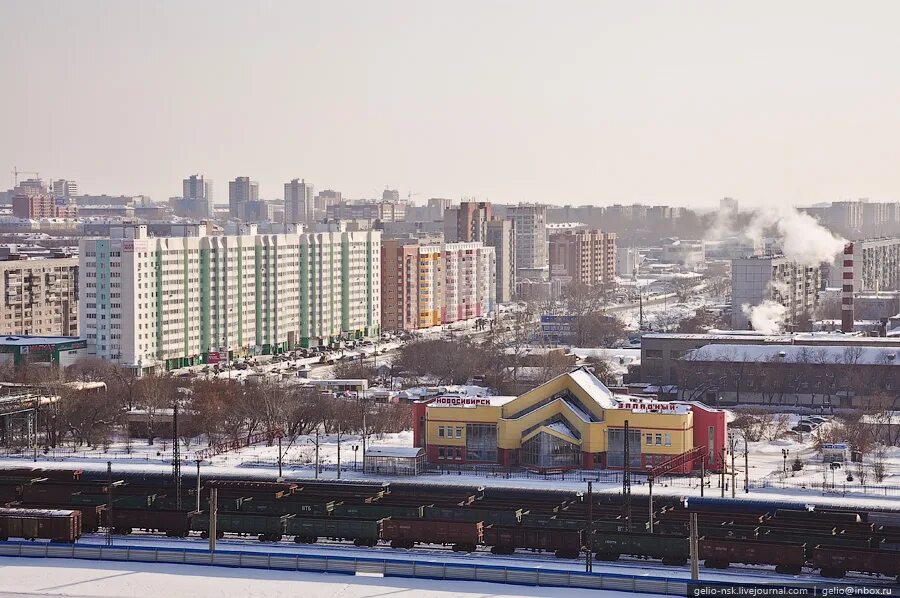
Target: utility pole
{"points": [[198, 486], [339, 450], [317, 453], [213, 517], [589, 541], [650, 499], [280, 478], [109, 504], [746, 468], [733, 472], [626, 483], [702, 474], [722, 474], [694, 545], [176, 454]]}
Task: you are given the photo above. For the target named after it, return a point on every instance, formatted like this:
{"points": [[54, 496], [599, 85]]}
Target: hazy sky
{"points": [[555, 101]]}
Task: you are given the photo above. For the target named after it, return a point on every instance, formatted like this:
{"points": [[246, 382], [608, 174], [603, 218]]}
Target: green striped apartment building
{"points": [[168, 302]]}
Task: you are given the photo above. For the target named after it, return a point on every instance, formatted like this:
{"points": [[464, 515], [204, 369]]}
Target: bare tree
{"points": [[155, 392]]}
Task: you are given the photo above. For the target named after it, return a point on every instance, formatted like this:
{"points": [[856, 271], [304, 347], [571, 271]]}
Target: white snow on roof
{"points": [[796, 354], [394, 451], [596, 389]]}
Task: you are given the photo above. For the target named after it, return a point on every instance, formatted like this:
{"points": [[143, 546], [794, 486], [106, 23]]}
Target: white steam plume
{"points": [[803, 239], [767, 317]]}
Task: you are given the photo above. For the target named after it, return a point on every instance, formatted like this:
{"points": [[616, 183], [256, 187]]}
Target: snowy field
{"points": [[62, 577]]}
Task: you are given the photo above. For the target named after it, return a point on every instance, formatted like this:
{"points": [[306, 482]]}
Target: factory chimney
{"points": [[847, 290]]}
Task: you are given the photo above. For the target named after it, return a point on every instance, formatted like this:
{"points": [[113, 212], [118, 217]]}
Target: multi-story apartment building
{"points": [[241, 190], [164, 302], [196, 200], [385, 211], [583, 257], [298, 203], [39, 296], [467, 222], [34, 206], [531, 237], [501, 235], [876, 266], [773, 278], [64, 188], [429, 285]]}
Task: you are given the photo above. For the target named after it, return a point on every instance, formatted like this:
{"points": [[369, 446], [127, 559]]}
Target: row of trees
{"points": [[213, 410]]}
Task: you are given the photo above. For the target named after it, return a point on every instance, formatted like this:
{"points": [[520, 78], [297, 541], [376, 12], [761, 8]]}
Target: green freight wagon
{"points": [[307, 530], [265, 527], [672, 550], [376, 511], [286, 507]]}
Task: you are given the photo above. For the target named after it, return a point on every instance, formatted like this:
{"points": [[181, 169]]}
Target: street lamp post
{"points": [[355, 448], [784, 455]]}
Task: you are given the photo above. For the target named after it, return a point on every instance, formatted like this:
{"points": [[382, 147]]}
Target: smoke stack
{"points": [[847, 290]]}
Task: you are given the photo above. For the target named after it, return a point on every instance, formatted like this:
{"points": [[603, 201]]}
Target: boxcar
{"points": [[307, 530], [285, 507], [265, 527], [672, 550], [488, 516], [719, 553], [36, 524], [464, 536], [565, 543], [378, 511], [175, 524], [834, 562]]}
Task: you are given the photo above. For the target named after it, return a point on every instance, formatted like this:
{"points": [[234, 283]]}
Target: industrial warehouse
{"points": [[571, 421]]}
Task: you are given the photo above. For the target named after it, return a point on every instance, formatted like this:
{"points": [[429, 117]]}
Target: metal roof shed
{"points": [[394, 460]]}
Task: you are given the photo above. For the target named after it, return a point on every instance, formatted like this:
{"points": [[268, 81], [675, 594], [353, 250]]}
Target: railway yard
{"points": [[750, 539]]}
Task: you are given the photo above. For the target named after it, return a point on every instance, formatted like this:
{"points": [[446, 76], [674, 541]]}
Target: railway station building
{"points": [[571, 421]]}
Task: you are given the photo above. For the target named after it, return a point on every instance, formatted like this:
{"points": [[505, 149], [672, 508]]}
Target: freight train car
{"points": [[308, 530], [672, 550], [565, 543], [835, 562], [719, 553], [40, 524], [463, 536]]}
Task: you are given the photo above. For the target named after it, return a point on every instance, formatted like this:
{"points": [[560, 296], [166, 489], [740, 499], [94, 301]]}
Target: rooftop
{"points": [[871, 355], [36, 340], [394, 451]]}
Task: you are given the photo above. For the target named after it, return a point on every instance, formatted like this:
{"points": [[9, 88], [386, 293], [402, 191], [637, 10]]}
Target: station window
{"points": [[459, 431], [649, 439], [668, 440], [458, 454], [440, 452], [440, 431], [659, 440]]}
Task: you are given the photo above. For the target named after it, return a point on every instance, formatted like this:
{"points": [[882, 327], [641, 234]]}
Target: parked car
{"points": [[802, 428]]}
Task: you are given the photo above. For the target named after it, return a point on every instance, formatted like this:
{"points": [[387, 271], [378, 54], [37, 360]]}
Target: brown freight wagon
{"points": [[40, 524], [565, 543], [464, 536], [835, 562], [719, 553], [91, 515]]}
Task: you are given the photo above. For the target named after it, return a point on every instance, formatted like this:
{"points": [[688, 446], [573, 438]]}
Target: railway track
{"points": [[625, 566]]}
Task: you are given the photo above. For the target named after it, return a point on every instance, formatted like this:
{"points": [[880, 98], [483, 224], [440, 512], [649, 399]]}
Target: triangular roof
{"points": [[592, 395]]}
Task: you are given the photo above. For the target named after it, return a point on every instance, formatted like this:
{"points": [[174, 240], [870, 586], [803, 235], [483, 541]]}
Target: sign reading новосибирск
{"points": [[459, 402]]}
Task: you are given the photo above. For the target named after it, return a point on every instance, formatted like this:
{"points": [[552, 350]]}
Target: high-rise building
{"points": [[39, 296], [583, 257], [196, 200], [323, 199], [531, 238], [467, 222], [35, 206], [728, 205], [429, 285], [774, 278], [876, 266], [298, 203], [241, 190], [390, 195], [501, 235], [165, 302], [64, 188]]}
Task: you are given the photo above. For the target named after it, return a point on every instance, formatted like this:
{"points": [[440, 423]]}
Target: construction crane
{"points": [[17, 172]]}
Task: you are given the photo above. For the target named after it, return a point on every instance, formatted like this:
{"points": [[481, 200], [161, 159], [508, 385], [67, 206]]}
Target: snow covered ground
{"points": [[62, 577]]}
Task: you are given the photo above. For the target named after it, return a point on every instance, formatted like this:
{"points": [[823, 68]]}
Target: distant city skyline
{"points": [[576, 102]]}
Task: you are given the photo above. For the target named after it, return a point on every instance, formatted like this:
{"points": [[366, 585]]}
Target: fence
{"points": [[834, 488], [537, 576]]}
